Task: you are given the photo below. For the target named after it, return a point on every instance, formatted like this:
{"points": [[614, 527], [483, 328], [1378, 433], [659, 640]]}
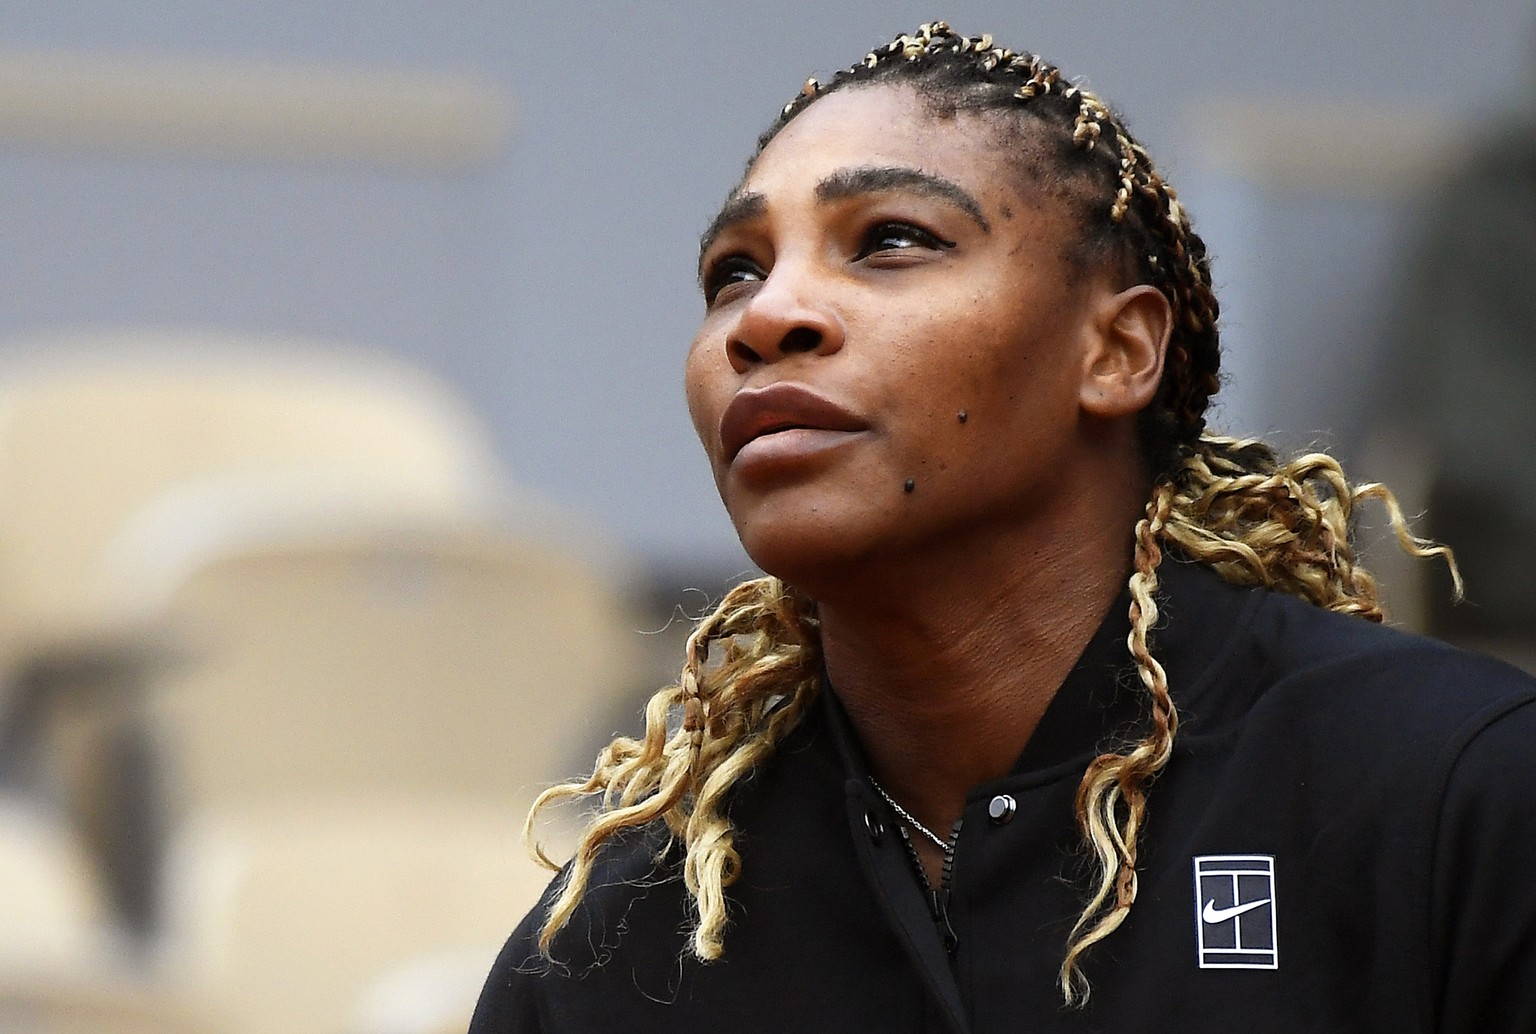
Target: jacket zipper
{"points": [[938, 897]]}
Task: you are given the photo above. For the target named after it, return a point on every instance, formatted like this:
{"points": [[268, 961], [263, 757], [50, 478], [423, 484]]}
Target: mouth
{"points": [[779, 408]]}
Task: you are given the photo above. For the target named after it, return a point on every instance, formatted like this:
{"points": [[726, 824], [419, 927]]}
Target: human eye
{"points": [[726, 272], [895, 236]]}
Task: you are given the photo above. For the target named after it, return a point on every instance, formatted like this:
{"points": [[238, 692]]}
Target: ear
{"points": [[1124, 361]]}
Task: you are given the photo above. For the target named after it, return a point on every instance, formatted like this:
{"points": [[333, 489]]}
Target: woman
{"points": [[958, 344]]}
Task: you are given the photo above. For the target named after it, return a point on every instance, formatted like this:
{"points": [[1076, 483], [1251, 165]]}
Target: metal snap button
{"points": [[1001, 808]]}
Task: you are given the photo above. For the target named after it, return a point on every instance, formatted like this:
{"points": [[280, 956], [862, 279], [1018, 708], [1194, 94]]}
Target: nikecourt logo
{"points": [[1235, 911]]}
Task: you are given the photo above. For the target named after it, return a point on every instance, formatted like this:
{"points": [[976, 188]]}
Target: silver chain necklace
{"points": [[908, 817]]}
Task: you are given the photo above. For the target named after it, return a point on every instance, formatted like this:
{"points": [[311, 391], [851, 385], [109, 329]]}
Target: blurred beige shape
{"points": [[34, 1004], [288, 918], [92, 428], [392, 118], [95, 428], [365, 690], [432, 994], [357, 721], [1291, 144], [429, 656], [52, 912], [60, 971], [358, 650]]}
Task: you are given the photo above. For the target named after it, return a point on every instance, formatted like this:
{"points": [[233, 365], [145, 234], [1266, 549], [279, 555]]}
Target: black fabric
{"points": [[1388, 777]]}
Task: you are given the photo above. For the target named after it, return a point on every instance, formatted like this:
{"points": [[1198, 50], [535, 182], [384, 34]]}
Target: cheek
{"points": [[986, 374], [704, 387]]}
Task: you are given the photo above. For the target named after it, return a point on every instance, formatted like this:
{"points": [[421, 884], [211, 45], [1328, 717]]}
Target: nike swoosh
{"points": [[1212, 914]]}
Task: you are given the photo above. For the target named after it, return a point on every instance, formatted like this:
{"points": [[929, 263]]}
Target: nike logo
{"points": [[1212, 914]]}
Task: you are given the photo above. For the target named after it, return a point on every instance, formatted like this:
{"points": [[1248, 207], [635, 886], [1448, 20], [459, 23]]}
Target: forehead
{"points": [[887, 126]]}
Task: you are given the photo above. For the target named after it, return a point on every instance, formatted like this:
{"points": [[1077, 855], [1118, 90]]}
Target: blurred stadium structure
{"points": [[285, 660]]}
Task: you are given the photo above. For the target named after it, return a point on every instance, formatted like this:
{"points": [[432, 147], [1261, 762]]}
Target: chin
{"points": [[818, 532], [806, 555]]}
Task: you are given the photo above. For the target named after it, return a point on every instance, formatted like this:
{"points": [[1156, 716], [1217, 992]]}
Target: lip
{"points": [[757, 412]]}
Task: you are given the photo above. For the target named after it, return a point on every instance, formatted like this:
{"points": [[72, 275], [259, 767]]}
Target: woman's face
{"points": [[892, 352]]}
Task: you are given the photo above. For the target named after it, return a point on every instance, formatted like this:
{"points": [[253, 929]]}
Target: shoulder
{"points": [[634, 875], [1482, 901], [624, 953], [1291, 651], [1306, 643], [1335, 693]]}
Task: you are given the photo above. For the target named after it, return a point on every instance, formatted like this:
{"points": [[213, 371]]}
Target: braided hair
{"points": [[1229, 503]]}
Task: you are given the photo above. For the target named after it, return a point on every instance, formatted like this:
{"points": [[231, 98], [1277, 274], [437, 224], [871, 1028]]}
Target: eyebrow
{"points": [[740, 207], [846, 183], [875, 179]]}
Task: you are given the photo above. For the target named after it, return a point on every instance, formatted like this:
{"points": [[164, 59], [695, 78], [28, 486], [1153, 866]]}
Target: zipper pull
{"points": [[938, 900], [941, 896]]}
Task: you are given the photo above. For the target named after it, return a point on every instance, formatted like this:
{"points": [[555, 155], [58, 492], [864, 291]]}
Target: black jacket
{"points": [[1348, 820]]}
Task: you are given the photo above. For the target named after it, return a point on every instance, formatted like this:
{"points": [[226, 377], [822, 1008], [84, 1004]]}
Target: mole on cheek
{"points": [[909, 485], [962, 416]]}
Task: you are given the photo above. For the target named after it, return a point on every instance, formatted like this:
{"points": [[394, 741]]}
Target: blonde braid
{"points": [[1112, 797], [1089, 123], [1286, 526], [702, 736], [1042, 78], [1127, 184]]}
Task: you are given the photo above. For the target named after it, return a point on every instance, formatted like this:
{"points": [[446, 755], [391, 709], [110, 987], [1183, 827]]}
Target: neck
{"points": [[945, 671]]}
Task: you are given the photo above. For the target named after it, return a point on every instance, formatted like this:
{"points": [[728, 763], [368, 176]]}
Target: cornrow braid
{"points": [[1229, 503], [1091, 116]]}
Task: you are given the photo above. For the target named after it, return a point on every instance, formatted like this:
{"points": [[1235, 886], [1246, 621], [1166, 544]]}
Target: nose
{"points": [[786, 316]]}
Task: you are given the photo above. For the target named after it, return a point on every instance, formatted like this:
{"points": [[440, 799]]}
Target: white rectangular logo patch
{"points": [[1235, 911]]}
